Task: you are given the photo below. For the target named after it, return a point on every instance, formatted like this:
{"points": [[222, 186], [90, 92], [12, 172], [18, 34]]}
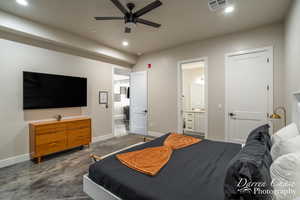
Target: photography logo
{"points": [[246, 187], [245, 190], [277, 188]]}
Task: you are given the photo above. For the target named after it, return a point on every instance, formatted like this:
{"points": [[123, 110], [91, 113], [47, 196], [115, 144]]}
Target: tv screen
{"points": [[53, 91]]}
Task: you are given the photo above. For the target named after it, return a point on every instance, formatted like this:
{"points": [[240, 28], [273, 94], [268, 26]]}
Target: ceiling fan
{"points": [[132, 18]]}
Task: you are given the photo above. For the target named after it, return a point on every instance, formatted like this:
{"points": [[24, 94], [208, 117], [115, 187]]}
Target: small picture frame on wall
{"points": [[103, 98]]}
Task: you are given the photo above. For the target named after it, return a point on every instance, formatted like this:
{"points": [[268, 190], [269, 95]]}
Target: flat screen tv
{"points": [[53, 91]]}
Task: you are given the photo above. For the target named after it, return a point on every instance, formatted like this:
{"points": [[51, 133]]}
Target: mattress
{"points": [[196, 172]]}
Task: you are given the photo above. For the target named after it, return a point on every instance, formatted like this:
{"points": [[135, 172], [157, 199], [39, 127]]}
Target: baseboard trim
{"points": [[155, 134], [102, 137], [14, 160]]}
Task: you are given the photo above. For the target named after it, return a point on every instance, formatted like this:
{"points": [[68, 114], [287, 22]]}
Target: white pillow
{"points": [[285, 133], [285, 173], [283, 147]]}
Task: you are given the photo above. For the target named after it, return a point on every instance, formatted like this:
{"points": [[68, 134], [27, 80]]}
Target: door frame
{"points": [[113, 96], [270, 50], [147, 99], [179, 92]]}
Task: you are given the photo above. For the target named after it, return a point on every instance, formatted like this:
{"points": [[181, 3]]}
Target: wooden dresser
{"points": [[54, 136]]}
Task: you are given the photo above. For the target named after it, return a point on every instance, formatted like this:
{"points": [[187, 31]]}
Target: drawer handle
{"points": [[190, 120], [53, 144], [80, 138]]}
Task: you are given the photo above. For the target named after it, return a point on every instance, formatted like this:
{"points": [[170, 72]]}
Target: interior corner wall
{"points": [[292, 54], [17, 57], [163, 75]]}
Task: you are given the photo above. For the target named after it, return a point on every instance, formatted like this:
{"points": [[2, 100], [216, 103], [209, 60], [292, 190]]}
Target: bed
{"points": [[193, 173]]}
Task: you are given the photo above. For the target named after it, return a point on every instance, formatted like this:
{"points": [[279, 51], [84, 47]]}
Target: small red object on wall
{"points": [[149, 66]]}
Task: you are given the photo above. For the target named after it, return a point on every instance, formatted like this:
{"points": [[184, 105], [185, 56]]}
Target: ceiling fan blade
{"points": [[108, 18], [120, 6], [149, 23], [127, 30], [148, 8]]}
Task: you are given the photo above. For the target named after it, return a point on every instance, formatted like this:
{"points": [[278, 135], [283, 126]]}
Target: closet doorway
{"points": [[249, 92], [192, 97], [121, 101]]}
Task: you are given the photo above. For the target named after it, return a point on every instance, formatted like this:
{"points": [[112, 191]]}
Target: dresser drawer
{"points": [[78, 141], [48, 129], [79, 132], [79, 125], [51, 147], [79, 137], [52, 137]]}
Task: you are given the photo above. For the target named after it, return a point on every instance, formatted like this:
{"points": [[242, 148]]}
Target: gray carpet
{"points": [[59, 176]]}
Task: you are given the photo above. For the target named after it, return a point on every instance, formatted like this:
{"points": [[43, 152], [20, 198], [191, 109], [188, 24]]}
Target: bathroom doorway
{"points": [[192, 98], [121, 101]]}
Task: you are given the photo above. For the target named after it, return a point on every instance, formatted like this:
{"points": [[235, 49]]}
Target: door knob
{"points": [[145, 111], [231, 114]]}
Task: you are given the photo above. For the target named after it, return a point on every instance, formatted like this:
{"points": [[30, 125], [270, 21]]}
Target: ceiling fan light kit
{"points": [[132, 18]]}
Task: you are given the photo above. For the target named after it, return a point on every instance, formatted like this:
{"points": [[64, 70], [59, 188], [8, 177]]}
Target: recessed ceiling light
{"points": [[229, 9], [125, 43], [22, 2]]}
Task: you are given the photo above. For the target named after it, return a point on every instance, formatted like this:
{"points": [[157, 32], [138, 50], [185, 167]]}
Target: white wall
{"points": [[163, 75], [16, 57], [292, 53]]}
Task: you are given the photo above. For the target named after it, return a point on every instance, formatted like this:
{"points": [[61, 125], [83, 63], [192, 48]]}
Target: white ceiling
{"points": [[182, 21]]}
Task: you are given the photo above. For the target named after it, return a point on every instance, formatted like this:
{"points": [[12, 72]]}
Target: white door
{"points": [[249, 92], [139, 103]]}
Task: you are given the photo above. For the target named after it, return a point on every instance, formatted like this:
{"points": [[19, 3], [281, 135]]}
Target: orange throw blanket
{"points": [[151, 160], [179, 141], [148, 161]]}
